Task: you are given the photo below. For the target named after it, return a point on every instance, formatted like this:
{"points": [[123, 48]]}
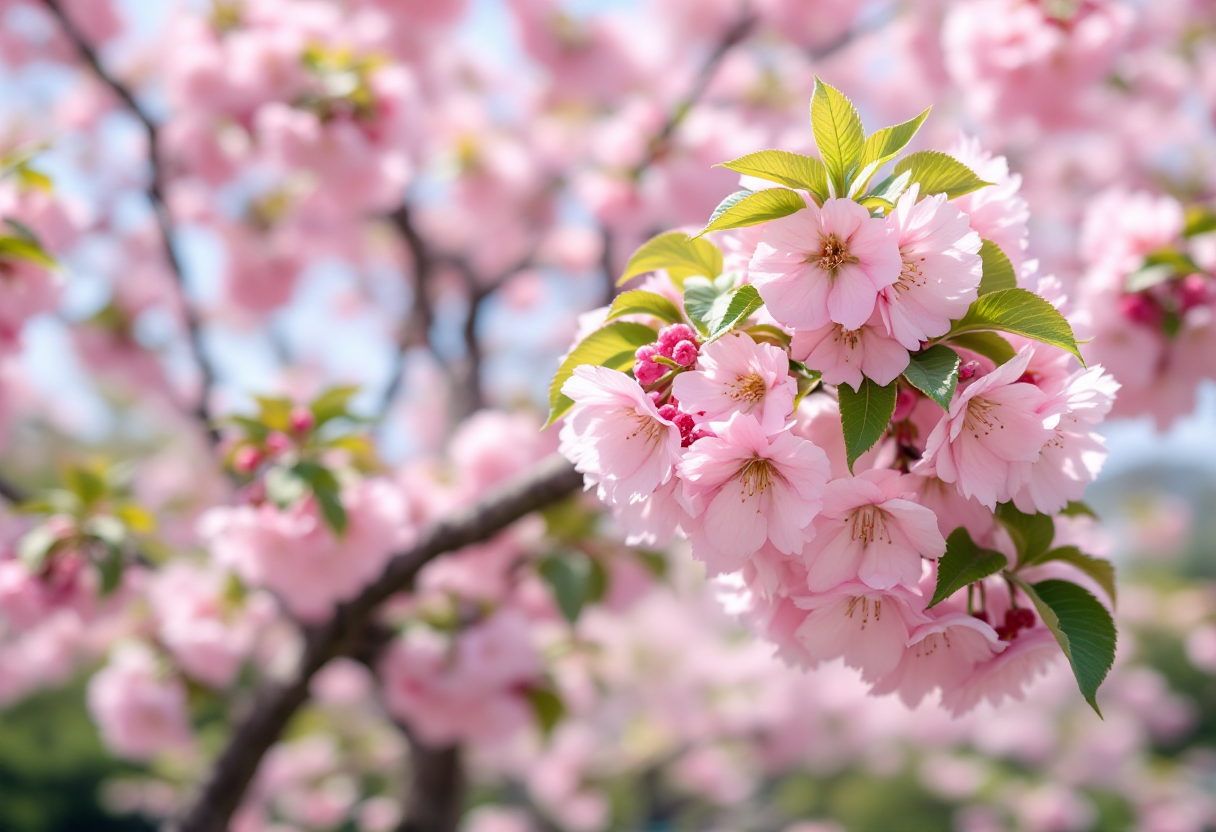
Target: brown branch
{"points": [[437, 787], [415, 329], [276, 701], [156, 198]]}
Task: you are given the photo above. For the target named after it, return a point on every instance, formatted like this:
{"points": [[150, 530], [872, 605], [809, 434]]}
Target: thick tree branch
{"points": [[345, 633], [437, 786], [155, 192]]}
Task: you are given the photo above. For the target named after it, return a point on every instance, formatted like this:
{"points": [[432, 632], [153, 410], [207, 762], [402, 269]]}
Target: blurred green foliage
{"points": [[52, 766]]}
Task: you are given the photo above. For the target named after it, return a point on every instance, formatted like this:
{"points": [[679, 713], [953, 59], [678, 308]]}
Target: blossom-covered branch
{"points": [[276, 701]]}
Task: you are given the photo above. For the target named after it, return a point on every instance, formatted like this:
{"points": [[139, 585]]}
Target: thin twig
{"points": [[155, 192], [415, 330], [343, 634]]}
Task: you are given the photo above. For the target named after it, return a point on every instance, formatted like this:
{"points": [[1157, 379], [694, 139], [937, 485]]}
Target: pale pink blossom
{"points": [[996, 212], [1006, 674], [615, 436], [871, 529], [867, 627], [941, 654], [140, 710], [824, 265], [941, 269], [746, 488], [736, 375], [845, 356], [991, 426]]}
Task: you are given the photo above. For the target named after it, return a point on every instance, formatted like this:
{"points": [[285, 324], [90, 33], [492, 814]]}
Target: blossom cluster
{"points": [[868, 425]]}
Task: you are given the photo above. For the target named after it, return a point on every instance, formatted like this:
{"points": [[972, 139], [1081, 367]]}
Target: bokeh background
{"points": [[544, 141]]}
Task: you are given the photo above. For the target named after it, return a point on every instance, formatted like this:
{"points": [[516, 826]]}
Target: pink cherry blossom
{"points": [[992, 425], [870, 528], [736, 375], [1005, 674], [941, 653], [824, 265], [996, 212], [747, 488], [140, 711], [845, 356], [1073, 456], [941, 269], [615, 436], [867, 627]]}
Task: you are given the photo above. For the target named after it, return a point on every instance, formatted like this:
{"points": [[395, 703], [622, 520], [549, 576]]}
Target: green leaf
{"points": [[640, 302], [987, 344], [1101, 570], [934, 372], [547, 707], [706, 299], [732, 310], [1022, 313], [964, 563], [864, 416], [938, 173], [30, 178], [610, 346], [753, 208], [19, 248], [1199, 220], [569, 578], [873, 203], [1147, 277], [327, 491], [881, 146], [890, 189], [655, 562], [35, 546], [793, 170], [1076, 508], [838, 133], [998, 271], [1082, 627], [770, 334], [85, 484], [110, 567], [274, 412], [679, 255], [332, 404], [807, 380], [284, 486], [1031, 533]]}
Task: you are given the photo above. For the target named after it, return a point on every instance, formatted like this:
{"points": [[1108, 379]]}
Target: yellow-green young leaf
{"points": [[792, 170], [1082, 627], [838, 133], [1200, 219], [753, 208], [767, 333], [332, 404], [1022, 313], [20, 248], [881, 146], [864, 416], [873, 203], [640, 302], [1102, 571], [964, 563], [706, 299], [274, 412], [987, 344], [998, 271], [938, 173], [610, 346], [30, 178], [674, 251], [934, 372], [136, 518], [738, 306], [548, 709]]}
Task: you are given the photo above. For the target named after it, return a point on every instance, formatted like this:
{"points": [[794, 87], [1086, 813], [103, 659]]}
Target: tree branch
{"points": [[344, 633], [437, 786], [156, 197]]}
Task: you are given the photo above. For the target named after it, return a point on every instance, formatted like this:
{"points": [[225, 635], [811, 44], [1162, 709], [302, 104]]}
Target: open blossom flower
{"points": [[615, 436], [941, 269], [746, 488], [1073, 455], [996, 212], [844, 355], [140, 711], [992, 425], [824, 265], [870, 528], [941, 653], [737, 375], [1005, 674], [867, 627]]}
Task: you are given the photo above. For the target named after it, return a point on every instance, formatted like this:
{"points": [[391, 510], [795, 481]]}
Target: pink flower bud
{"points": [[247, 459], [672, 335], [277, 443], [1140, 309], [685, 353], [302, 420], [1193, 291], [968, 370], [645, 370], [904, 402]]}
